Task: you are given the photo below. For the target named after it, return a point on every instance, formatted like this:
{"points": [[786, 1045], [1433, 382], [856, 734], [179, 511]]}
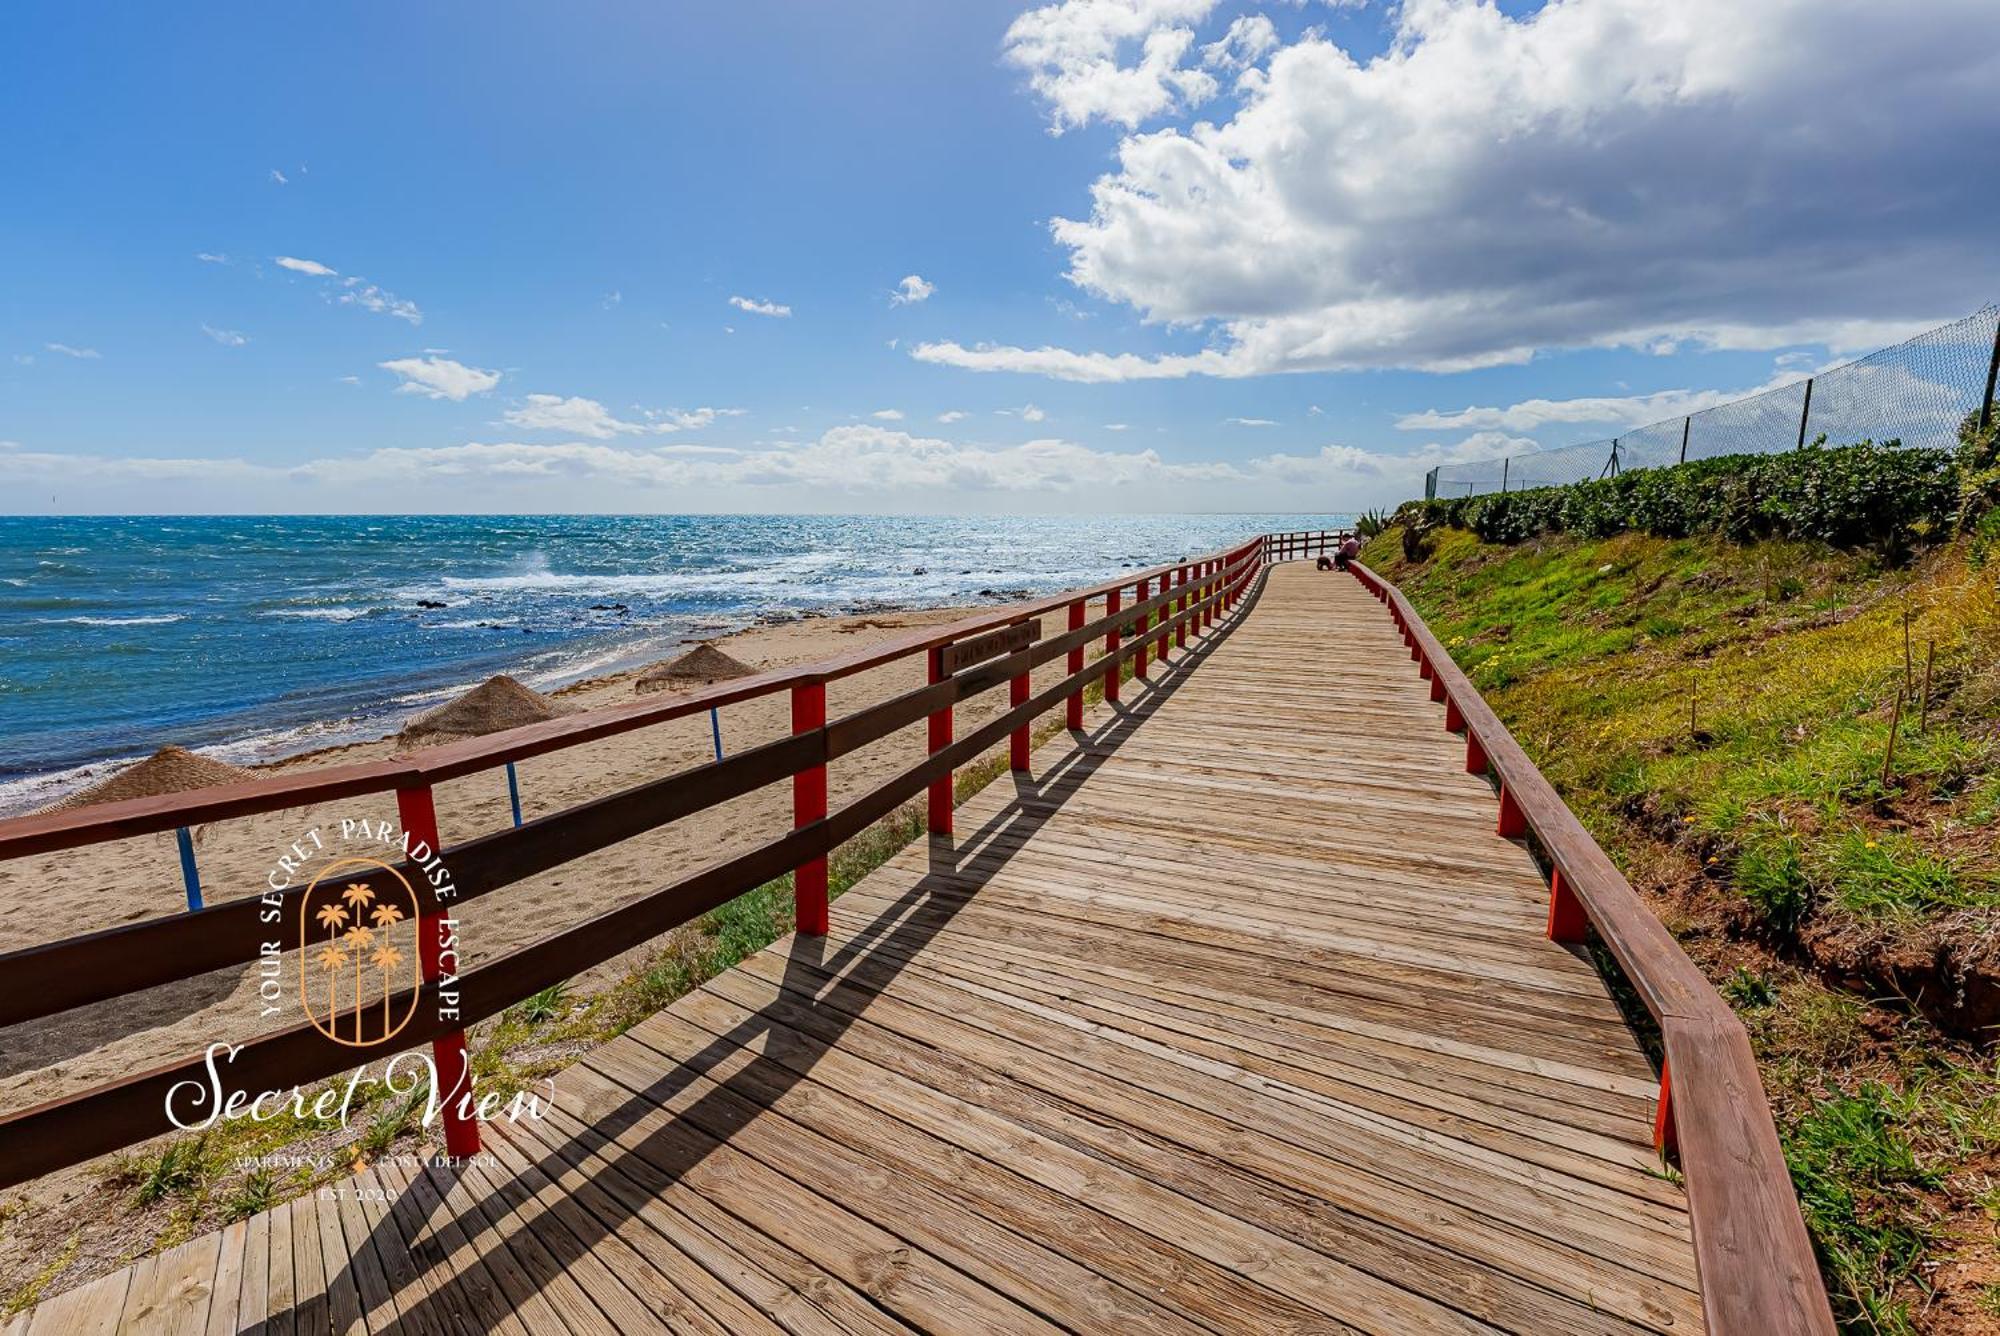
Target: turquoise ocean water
{"points": [[256, 637]]}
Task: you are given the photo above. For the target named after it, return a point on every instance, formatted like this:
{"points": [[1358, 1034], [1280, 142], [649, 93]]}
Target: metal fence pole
{"points": [[1992, 371], [1503, 474], [1686, 423], [1431, 478], [1805, 413]]}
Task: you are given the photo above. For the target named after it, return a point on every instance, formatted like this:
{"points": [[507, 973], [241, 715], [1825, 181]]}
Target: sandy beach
{"points": [[102, 886]]}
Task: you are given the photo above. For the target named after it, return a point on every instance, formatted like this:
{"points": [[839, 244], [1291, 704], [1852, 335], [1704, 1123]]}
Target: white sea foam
{"points": [[319, 614], [161, 620]]}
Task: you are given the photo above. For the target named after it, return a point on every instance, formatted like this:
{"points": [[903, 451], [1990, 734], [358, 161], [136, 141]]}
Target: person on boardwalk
{"points": [[1350, 548]]}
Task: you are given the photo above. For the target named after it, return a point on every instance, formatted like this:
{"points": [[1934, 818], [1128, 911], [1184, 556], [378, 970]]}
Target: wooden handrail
{"points": [[56, 976], [1753, 1253]]}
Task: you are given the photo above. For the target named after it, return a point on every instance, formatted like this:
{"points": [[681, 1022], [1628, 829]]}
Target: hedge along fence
{"points": [[1862, 495]]}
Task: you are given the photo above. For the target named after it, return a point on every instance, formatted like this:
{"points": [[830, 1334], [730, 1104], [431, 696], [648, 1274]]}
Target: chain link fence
{"points": [[1917, 392]]}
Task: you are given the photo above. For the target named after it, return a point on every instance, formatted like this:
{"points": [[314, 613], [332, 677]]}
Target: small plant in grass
{"points": [[544, 1006], [1747, 988], [1770, 872], [257, 1191], [177, 1171]]}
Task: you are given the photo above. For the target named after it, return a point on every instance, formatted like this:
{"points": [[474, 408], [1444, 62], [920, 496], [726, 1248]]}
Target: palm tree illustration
{"points": [[386, 915], [331, 959], [358, 939], [386, 958]]}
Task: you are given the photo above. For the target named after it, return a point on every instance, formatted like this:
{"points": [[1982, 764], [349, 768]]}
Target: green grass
{"points": [[1718, 715]]}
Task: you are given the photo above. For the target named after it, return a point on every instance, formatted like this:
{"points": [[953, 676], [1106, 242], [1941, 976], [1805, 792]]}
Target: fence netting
{"points": [[1917, 392]]}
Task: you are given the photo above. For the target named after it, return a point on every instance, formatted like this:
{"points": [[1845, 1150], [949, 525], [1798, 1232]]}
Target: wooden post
{"points": [[1437, 688], [1664, 1139], [809, 805], [1453, 719], [1512, 823], [438, 934], [1567, 921], [1889, 752], [1475, 755], [1073, 706], [1930, 661], [190, 874], [1145, 641], [1112, 603], [940, 738]]}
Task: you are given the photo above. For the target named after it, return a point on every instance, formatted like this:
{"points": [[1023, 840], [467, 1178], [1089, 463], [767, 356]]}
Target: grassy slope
{"points": [[1717, 715]]}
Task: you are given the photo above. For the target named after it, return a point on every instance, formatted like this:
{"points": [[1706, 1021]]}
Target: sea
{"points": [[253, 638]]}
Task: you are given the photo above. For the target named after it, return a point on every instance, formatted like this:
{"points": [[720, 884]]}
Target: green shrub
{"points": [[1854, 496]]}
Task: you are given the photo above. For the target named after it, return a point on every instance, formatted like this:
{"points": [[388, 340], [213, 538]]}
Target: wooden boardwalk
{"points": [[1235, 1016]]}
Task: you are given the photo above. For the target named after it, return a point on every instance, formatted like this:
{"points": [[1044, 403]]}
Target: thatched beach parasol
{"points": [[497, 704], [168, 770], [699, 667]]}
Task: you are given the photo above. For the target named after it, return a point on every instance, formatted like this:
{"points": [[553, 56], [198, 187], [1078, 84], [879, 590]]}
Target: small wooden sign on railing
{"points": [[1007, 640]]}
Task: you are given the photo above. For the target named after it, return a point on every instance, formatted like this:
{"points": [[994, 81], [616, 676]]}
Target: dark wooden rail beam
{"points": [[1759, 1276]]}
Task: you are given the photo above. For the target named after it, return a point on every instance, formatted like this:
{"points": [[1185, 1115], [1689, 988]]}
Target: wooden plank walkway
{"points": [[1237, 1016]]}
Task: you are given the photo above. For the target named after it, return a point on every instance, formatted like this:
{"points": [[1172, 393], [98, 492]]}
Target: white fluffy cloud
{"points": [[440, 377], [1249, 39], [313, 267], [87, 354], [1072, 50], [578, 416], [360, 292], [911, 290], [228, 338], [776, 309], [887, 415], [1597, 173], [952, 415]]}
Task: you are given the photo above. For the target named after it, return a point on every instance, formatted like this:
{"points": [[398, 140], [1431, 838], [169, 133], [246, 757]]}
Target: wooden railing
{"points": [[1755, 1258], [962, 659], [1300, 544]]}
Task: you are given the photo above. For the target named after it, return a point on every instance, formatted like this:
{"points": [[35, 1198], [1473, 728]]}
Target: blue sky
{"points": [[1172, 254]]}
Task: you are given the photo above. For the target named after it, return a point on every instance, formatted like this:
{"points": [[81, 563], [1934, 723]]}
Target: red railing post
{"points": [[1454, 719], [1139, 655], [1567, 921], [1020, 741], [1664, 1139], [1512, 824], [1214, 587], [1112, 603], [417, 811], [940, 738], [1475, 755], [1437, 689], [809, 805], [1073, 707], [1180, 605]]}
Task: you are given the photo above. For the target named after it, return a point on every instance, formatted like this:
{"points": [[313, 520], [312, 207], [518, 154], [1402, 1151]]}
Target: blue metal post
{"points": [[715, 725], [190, 876], [514, 792]]}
